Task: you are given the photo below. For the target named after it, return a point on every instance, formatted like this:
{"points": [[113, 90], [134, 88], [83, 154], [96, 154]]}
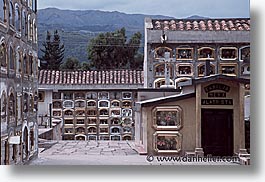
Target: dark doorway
{"points": [[217, 132]]}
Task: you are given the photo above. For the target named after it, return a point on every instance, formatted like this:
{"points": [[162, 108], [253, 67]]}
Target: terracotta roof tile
{"points": [[47, 77], [203, 25]]}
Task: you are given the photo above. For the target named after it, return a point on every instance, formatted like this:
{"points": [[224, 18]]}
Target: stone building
{"points": [[189, 96], [18, 80], [208, 63], [93, 105]]}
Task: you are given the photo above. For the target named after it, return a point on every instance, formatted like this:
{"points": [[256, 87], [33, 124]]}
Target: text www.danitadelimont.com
{"points": [[203, 159]]}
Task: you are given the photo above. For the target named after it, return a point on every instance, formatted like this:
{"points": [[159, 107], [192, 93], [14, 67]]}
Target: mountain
{"points": [[77, 27], [197, 17]]}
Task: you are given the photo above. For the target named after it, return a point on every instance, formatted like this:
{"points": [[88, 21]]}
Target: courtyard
{"points": [[102, 153]]}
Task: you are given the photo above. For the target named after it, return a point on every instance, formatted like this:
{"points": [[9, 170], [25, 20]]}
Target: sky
{"points": [[174, 8]]}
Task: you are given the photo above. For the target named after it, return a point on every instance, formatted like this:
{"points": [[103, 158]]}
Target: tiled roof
{"points": [[49, 77], [203, 25]]}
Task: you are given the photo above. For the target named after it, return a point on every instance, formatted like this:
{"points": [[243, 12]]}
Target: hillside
{"points": [[77, 27]]}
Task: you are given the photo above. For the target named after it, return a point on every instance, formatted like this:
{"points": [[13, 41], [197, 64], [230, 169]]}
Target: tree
{"points": [[71, 64], [53, 52], [111, 50]]}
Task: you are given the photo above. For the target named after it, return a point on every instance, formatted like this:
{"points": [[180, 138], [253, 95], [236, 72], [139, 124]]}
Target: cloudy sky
{"points": [[175, 8]]}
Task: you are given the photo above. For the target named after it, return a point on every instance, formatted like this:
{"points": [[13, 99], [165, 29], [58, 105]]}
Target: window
{"points": [[80, 113], [161, 81], [91, 95], [3, 107], [126, 121], [92, 121], [103, 104], [57, 113], [161, 51], [115, 95], [34, 5], [103, 95], [30, 65], [68, 104], [26, 103], [185, 70], [245, 69], [127, 113], [68, 113], [11, 14], [115, 130], [68, 121], [80, 103], [68, 130], [80, 121], [206, 53], [126, 104], [115, 103], [167, 118], [80, 137], [3, 53], [167, 142], [23, 24], [228, 69], [127, 130], [115, 121], [68, 96], [25, 65], [80, 96], [29, 28], [184, 54], [103, 121], [228, 53], [92, 130], [18, 62], [80, 130], [245, 54], [2, 10], [115, 112], [126, 95], [11, 58], [160, 70], [91, 112], [17, 18], [11, 108], [57, 104], [103, 112], [56, 95], [104, 130], [201, 70], [91, 103]]}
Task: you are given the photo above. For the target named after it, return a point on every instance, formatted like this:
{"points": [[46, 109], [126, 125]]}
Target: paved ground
{"points": [[100, 153]]}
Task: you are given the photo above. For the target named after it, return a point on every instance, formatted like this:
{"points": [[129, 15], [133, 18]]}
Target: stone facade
{"points": [[19, 80], [208, 63]]}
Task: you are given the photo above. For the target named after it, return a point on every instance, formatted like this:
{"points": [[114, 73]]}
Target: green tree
{"points": [[112, 50], [71, 64], [53, 52]]}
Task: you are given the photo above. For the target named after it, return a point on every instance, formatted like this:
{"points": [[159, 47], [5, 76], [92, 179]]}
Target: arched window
{"points": [[2, 53], [184, 54], [29, 28], [17, 18], [3, 107], [201, 70], [206, 53], [161, 81], [11, 58], [11, 107], [245, 54], [161, 51], [229, 53], [30, 65], [18, 61], [26, 103], [2, 10], [25, 64], [24, 24], [11, 14]]}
